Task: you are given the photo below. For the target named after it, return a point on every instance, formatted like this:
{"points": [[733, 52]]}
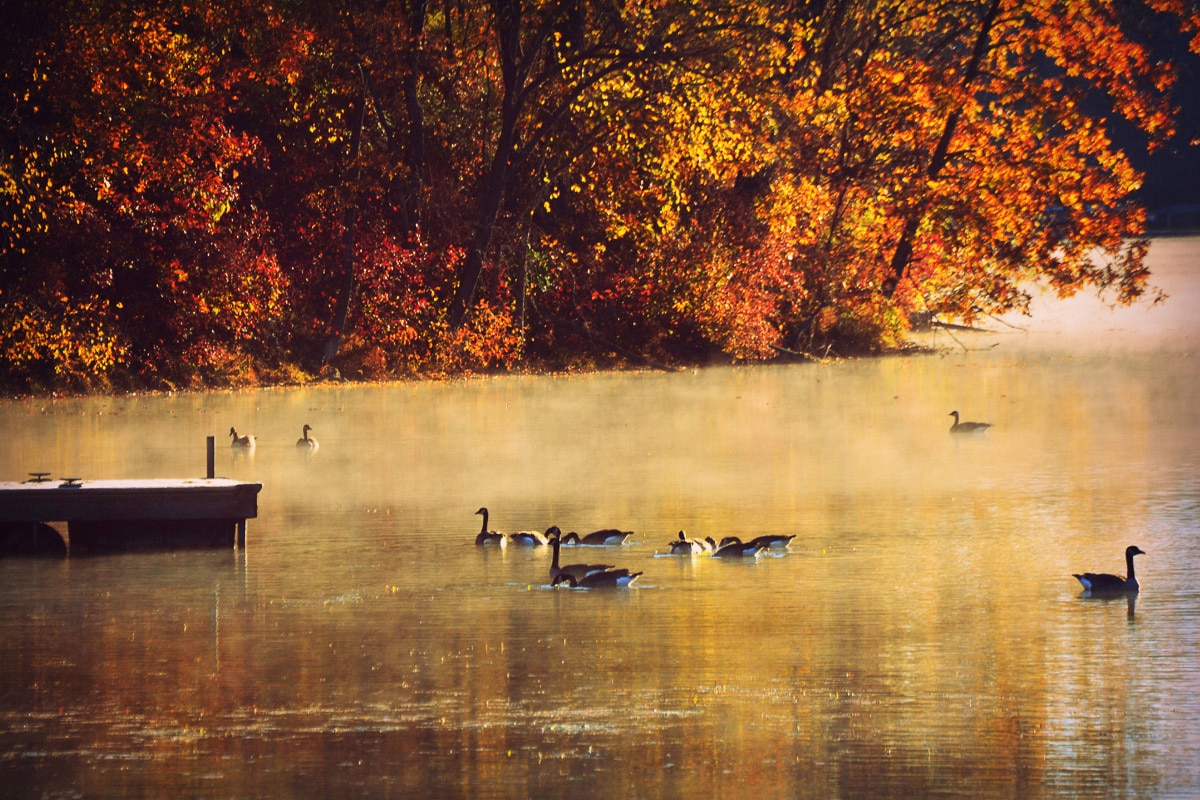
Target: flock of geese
{"points": [[248, 441], [610, 575], [573, 575], [596, 575]]}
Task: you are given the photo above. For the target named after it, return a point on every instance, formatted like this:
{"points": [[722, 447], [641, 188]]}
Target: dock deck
{"points": [[128, 514]]}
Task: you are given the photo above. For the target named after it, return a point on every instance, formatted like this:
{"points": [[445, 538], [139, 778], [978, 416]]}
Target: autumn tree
{"points": [[962, 157], [192, 194], [123, 144]]}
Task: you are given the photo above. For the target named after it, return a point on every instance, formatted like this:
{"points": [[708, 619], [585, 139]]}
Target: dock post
{"points": [[212, 457], [240, 543]]}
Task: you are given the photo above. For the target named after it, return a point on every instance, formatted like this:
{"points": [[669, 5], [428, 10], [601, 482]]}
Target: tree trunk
{"points": [[481, 237], [350, 217], [937, 160], [508, 29], [523, 282], [407, 190]]}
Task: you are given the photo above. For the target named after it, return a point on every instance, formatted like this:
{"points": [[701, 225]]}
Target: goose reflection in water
{"points": [[1130, 599]]}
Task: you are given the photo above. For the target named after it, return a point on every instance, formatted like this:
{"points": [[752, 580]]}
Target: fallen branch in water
{"points": [[801, 354], [936, 323], [966, 349]]}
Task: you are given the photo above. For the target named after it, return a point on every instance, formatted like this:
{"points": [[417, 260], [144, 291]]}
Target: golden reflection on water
{"points": [[922, 636]]}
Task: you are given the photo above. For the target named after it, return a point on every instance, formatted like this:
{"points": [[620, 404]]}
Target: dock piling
{"points": [[212, 457]]}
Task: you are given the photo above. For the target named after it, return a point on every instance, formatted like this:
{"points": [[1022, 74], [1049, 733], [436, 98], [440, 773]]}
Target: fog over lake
{"points": [[923, 635]]}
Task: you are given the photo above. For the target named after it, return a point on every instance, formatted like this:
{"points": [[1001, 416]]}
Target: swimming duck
{"points": [[577, 571], [1102, 583], [684, 546], [246, 441], [774, 540], [612, 578], [306, 440], [489, 537], [733, 547], [608, 536], [967, 427]]}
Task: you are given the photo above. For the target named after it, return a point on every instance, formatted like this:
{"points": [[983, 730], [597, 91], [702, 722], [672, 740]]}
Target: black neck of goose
{"points": [[555, 543], [483, 529], [1129, 566]]}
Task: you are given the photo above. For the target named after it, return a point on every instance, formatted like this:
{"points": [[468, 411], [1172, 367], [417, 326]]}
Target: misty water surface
{"points": [[923, 636]]}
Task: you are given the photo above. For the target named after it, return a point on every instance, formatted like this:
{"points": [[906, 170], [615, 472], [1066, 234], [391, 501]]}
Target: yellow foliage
{"points": [[76, 338]]}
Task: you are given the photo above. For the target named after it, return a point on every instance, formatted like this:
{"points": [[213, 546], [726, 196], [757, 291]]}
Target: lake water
{"points": [[923, 637]]}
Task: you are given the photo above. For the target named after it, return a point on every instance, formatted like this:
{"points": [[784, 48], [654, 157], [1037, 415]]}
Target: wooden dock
{"points": [[108, 515]]}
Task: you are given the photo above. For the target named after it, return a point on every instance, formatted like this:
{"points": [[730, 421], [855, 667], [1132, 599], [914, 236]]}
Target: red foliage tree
{"points": [[193, 194]]}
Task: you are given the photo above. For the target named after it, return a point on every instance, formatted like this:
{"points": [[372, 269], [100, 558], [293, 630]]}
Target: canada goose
{"points": [[733, 547], [597, 579], [1103, 583], [967, 427], [578, 571], [684, 546], [241, 441], [306, 440], [776, 540], [489, 537], [529, 538], [608, 536]]}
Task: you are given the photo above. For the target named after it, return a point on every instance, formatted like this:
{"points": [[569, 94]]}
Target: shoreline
{"points": [[337, 380]]}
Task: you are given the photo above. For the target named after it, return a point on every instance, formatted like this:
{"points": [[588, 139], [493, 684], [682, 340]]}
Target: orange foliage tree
{"points": [[196, 193]]}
